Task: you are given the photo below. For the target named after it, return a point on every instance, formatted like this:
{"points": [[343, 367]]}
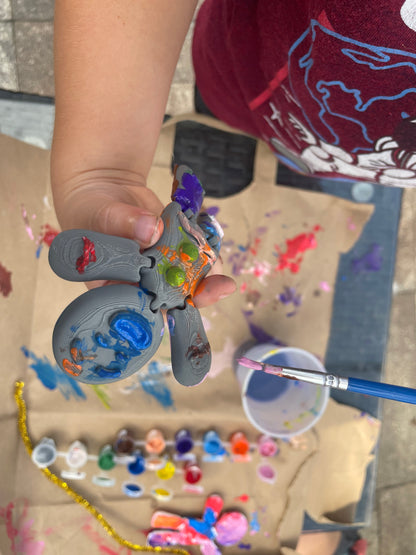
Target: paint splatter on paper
{"points": [[259, 334], [19, 530], [45, 237], [26, 222], [52, 377], [5, 281], [243, 498], [292, 257], [242, 259], [153, 382], [290, 296], [324, 285], [254, 523], [102, 395], [102, 543]]}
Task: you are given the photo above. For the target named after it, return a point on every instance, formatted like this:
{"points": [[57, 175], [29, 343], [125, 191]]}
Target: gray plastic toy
{"points": [[110, 332]]}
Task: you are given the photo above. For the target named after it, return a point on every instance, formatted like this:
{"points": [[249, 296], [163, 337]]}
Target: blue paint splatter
{"points": [[254, 523], [244, 546], [52, 377], [154, 384], [38, 250]]}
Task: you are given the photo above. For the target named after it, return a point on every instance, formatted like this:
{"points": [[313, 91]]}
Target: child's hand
{"points": [[115, 203]]}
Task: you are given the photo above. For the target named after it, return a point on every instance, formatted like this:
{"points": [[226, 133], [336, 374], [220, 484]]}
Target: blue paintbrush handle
{"points": [[385, 390]]}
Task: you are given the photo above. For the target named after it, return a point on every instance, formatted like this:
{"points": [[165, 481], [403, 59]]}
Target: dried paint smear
{"points": [[19, 530], [52, 377], [5, 281], [153, 383]]}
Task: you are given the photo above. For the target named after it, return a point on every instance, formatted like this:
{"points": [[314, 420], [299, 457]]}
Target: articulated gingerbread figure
{"points": [[110, 332]]}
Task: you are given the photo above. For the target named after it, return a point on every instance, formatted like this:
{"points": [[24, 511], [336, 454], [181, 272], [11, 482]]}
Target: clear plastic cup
{"points": [[280, 407]]}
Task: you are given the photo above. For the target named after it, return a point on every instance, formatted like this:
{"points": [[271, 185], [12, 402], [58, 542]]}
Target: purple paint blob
{"points": [[371, 261], [231, 528], [259, 334], [290, 295], [189, 193], [212, 210]]}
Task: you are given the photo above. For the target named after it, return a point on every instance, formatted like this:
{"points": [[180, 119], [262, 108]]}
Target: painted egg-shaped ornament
{"points": [[107, 334]]}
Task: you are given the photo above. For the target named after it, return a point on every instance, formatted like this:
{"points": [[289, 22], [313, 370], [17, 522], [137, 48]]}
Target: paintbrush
{"points": [[376, 389]]}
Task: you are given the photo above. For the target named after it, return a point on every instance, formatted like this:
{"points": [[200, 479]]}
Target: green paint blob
{"points": [[191, 250], [175, 276]]}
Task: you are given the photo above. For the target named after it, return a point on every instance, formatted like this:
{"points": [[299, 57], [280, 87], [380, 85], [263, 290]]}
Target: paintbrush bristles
{"points": [[248, 363], [255, 365]]}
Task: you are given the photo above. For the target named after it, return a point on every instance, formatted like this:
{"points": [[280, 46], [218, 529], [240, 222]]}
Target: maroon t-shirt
{"points": [[329, 84]]}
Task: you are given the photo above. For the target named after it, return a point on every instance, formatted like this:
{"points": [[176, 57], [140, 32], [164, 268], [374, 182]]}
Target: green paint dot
{"points": [[175, 276], [191, 250]]}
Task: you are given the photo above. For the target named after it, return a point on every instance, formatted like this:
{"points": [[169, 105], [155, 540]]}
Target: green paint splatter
{"points": [[102, 395]]}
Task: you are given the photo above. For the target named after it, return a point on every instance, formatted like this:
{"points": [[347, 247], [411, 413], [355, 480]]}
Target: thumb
{"points": [[134, 214], [125, 220]]}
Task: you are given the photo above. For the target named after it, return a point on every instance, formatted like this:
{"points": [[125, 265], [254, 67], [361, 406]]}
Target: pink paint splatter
{"points": [[21, 536], [259, 270], [351, 225], [292, 258], [5, 281], [324, 285], [101, 543], [25, 217]]}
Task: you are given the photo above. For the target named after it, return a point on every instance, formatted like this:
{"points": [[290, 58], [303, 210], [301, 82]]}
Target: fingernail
{"points": [[146, 228]]}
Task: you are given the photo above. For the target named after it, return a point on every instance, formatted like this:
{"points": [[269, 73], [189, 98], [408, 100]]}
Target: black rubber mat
{"points": [[222, 161]]}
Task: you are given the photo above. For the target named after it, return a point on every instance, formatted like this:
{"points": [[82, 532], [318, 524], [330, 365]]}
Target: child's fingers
{"points": [[212, 289], [125, 220], [131, 212]]}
